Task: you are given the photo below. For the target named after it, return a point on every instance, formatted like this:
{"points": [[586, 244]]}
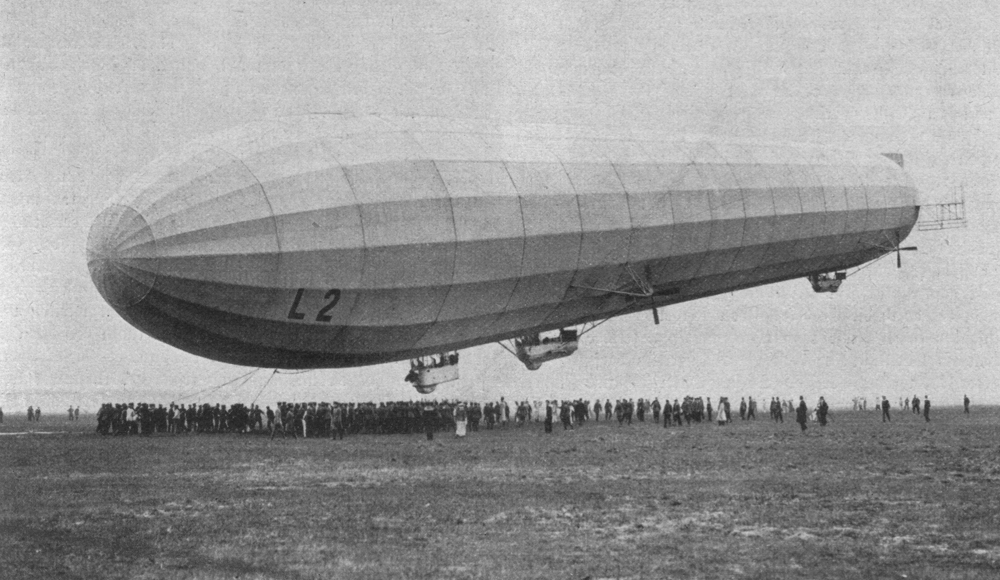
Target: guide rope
{"points": [[267, 382], [856, 270], [217, 387]]}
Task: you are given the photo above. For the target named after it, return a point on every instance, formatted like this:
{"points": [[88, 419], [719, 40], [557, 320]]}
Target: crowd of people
{"points": [[429, 417], [338, 419], [914, 406]]}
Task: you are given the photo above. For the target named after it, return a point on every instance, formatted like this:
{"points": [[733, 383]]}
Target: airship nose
{"points": [[121, 255]]}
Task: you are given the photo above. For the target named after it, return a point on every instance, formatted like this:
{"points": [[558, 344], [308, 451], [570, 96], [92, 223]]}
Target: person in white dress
{"points": [[461, 420]]}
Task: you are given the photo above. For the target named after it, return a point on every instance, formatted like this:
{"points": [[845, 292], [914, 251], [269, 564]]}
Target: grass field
{"points": [[858, 499]]}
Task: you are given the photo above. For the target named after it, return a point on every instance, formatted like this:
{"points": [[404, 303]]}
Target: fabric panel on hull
{"points": [[226, 194], [322, 249], [606, 228], [551, 252], [489, 230], [726, 205], [758, 207], [606, 233], [488, 260], [855, 192], [209, 220], [409, 233], [392, 262], [877, 198], [252, 236], [650, 198], [463, 179], [811, 196], [315, 191], [834, 195]]}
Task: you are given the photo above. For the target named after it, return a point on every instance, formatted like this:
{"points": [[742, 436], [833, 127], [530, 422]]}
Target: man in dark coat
{"points": [[821, 411], [802, 413], [678, 413], [885, 410], [336, 421], [429, 416], [927, 409]]}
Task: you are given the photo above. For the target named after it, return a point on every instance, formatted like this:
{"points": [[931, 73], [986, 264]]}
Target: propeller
{"points": [[899, 258]]}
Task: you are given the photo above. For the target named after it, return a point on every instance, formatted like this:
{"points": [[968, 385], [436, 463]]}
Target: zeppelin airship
{"points": [[322, 241]]}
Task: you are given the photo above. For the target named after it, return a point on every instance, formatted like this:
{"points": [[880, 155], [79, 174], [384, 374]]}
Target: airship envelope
{"points": [[338, 240]]}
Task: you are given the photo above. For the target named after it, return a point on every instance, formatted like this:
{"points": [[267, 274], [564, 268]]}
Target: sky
{"points": [[93, 91]]}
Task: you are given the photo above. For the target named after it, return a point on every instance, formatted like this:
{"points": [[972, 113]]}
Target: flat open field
{"points": [[857, 499]]}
